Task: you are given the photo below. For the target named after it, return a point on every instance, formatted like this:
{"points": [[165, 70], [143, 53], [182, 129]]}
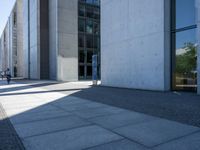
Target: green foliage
{"points": [[186, 62]]}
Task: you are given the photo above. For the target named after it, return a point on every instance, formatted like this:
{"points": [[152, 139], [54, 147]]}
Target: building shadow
{"points": [[181, 107]]}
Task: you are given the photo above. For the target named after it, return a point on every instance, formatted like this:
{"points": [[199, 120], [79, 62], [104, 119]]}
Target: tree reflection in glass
{"points": [[186, 67]]}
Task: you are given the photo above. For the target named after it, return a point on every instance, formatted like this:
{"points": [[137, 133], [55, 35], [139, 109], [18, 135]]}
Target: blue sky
{"points": [[5, 10]]}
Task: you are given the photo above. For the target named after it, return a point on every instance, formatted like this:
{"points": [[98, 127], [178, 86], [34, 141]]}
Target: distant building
{"points": [[11, 42], [60, 38]]}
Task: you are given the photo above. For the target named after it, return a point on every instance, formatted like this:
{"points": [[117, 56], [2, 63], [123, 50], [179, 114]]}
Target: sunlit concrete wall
{"points": [[6, 51], [2, 52], [31, 40], [25, 39], [34, 40], [10, 43], [20, 54], [64, 39], [12, 27], [135, 44]]}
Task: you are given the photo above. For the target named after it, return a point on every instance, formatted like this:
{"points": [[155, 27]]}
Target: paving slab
{"points": [[191, 142], [69, 100], [120, 145], [80, 106], [75, 139], [121, 119], [8, 136], [36, 116], [96, 112], [49, 125], [13, 112], [156, 132], [25, 105]]}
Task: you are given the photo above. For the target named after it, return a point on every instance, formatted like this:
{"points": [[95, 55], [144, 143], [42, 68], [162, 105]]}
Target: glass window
{"points": [[185, 13], [89, 71], [81, 56], [15, 18], [96, 28], [96, 42], [89, 12], [81, 11], [82, 1], [186, 60], [97, 2], [81, 71], [89, 36], [89, 26], [81, 25], [96, 13], [81, 41], [89, 56], [89, 1], [89, 41]]}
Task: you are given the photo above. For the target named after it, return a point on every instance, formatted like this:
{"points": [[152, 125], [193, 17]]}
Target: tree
{"points": [[186, 62]]}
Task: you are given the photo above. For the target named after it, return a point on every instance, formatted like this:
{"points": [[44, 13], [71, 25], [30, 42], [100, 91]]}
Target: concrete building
{"points": [[35, 41], [141, 42], [5, 48], [60, 37], [11, 42]]}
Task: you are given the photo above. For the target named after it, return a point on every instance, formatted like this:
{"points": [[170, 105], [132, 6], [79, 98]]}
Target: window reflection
{"points": [[81, 25], [89, 56], [89, 26], [89, 36], [81, 41], [81, 11], [185, 13], [185, 46], [89, 41], [81, 56], [186, 60]]}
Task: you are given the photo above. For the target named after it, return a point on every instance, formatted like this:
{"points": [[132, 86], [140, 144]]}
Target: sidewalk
{"points": [[49, 119]]}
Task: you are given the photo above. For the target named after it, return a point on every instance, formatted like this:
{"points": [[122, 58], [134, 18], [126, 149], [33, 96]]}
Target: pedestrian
{"points": [[2, 74], [8, 75]]}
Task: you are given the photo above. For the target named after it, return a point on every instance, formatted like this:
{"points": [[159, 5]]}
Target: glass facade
{"points": [[89, 36], [184, 45]]}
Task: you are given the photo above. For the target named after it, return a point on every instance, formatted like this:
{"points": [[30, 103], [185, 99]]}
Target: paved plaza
{"points": [[47, 115]]}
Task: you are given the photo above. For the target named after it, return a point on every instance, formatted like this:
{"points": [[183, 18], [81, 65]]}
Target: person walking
{"points": [[8, 75], [2, 74]]}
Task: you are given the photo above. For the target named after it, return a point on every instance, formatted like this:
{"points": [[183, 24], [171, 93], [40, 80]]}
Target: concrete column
{"points": [[53, 40], [20, 52], [67, 69]]}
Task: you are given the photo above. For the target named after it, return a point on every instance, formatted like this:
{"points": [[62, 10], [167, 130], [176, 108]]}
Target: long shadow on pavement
{"points": [[73, 120]]}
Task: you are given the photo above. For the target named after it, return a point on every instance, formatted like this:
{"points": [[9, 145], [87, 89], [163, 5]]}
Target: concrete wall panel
{"points": [[133, 44], [20, 54], [53, 39], [67, 36]]}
